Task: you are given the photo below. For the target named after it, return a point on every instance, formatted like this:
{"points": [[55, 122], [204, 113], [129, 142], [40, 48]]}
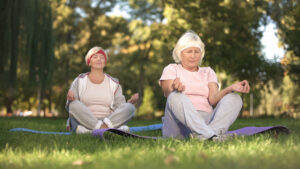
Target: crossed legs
{"points": [[182, 119], [81, 115]]}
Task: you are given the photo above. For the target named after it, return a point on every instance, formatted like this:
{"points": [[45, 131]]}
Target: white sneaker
{"points": [[223, 137], [108, 123], [82, 130], [98, 125], [124, 128]]}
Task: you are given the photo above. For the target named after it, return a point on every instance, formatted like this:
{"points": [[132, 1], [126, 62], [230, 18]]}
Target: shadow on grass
{"points": [[28, 142]]}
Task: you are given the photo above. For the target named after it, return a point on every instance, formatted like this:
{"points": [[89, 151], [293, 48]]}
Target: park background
{"points": [[43, 44]]}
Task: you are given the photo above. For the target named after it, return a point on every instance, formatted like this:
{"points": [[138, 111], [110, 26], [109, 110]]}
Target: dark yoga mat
{"points": [[247, 131], [100, 133]]}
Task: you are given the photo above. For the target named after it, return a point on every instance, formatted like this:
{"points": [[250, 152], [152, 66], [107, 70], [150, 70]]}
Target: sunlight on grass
{"points": [[25, 150]]}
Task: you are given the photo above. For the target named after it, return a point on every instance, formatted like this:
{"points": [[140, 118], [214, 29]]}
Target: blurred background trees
{"points": [[43, 44], [27, 54], [286, 15]]}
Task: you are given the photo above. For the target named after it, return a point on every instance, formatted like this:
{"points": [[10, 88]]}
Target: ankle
{"points": [[108, 123], [98, 125], [103, 126]]}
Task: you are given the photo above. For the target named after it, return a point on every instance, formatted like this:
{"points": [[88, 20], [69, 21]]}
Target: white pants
{"points": [[80, 114], [182, 119]]}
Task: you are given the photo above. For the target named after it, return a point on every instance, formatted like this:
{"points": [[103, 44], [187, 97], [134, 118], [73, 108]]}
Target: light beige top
{"points": [[98, 98]]}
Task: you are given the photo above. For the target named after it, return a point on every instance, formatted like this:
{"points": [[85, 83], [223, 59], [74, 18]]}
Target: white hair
{"points": [[93, 51], [187, 40]]}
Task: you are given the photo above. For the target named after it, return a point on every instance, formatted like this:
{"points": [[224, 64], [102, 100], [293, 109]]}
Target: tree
{"points": [[142, 53], [286, 14], [26, 35], [79, 25]]}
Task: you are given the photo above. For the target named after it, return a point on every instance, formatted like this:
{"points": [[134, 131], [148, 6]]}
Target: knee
{"points": [[129, 108], [234, 98], [73, 105], [174, 98]]}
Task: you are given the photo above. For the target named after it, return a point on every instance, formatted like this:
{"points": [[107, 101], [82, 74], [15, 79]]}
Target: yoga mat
{"points": [[40, 132], [100, 132], [132, 129], [247, 131], [146, 128]]}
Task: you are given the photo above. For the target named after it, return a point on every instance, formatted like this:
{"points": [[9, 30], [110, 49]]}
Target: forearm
{"points": [[167, 91], [166, 86], [215, 98]]}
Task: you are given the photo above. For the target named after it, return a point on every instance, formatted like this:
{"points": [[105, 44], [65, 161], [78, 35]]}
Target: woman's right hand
{"points": [[70, 96], [169, 86], [177, 85]]}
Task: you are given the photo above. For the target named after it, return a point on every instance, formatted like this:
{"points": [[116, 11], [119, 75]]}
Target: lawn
{"points": [[27, 150]]}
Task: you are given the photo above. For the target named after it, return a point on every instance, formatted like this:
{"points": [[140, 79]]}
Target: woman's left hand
{"points": [[242, 87], [134, 98]]}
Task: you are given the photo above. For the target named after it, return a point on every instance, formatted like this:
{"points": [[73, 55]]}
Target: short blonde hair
{"points": [[93, 51], [187, 40]]}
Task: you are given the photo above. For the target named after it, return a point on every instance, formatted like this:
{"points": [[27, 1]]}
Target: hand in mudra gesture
{"points": [[242, 87], [177, 85], [134, 98]]}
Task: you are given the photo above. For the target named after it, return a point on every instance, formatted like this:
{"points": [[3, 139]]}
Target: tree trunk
{"points": [[8, 106], [50, 101], [39, 101], [14, 46]]}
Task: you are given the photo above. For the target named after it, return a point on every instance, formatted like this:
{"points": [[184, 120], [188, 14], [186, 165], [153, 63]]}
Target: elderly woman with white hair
{"points": [[95, 99], [191, 92]]}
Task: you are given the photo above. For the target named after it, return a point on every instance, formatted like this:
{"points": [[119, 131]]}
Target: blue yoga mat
{"points": [[132, 129], [146, 128], [39, 132]]}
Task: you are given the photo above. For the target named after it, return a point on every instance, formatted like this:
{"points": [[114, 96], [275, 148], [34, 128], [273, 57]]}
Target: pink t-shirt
{"points": [[196, 83]]}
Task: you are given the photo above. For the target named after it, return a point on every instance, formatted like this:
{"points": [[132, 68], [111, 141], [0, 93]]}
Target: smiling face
{"points": [[97, 61], [190, 58]]}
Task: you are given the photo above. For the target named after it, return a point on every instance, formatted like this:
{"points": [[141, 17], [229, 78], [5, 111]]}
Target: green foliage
{"points": [[287, 15], [53, 38], [75, 33], [280, 101], [27, 49], [230, 31], [148, 105]]}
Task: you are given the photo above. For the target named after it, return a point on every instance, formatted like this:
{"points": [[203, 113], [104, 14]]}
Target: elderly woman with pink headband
{"points": [[191, 93], [95, 99]]}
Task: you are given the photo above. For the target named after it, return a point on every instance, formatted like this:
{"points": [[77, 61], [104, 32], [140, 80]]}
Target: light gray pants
{"points": [[80, 114], [182, 119]]}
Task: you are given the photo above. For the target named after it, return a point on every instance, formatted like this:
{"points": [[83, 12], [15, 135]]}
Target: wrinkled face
{"points": [[97, 61], [190, 57]]}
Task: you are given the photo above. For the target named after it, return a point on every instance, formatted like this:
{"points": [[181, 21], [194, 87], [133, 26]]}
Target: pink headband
{"points": [[100, 52]]}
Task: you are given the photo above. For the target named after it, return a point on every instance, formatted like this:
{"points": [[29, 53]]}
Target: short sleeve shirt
{"points": [[98, 98], [196, 83]]}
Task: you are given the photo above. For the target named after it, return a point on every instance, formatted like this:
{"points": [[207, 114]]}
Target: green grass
{"points": [[27, 150]]}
